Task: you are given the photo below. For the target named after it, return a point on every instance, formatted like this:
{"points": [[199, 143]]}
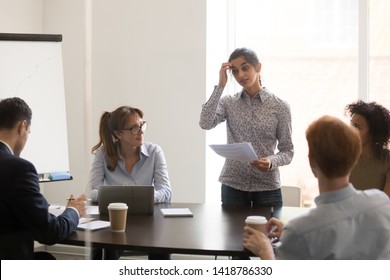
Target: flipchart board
{"points": [[31, 68]]}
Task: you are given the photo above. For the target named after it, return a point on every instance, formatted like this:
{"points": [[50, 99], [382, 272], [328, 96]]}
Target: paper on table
{"points": [[176, 212], [85, 220], [238, 151], [93, 225], [58, 209], [92, 210]]}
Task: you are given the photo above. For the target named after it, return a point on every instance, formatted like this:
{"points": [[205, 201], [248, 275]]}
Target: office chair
{"points": [[291, 196]]}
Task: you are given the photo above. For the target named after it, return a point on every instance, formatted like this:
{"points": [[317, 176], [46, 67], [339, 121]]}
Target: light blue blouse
{"points": [[151, 169], [346, 224]]}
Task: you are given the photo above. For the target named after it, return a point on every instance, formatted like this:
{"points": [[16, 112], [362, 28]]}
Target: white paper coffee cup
{"points": [[257, 222]]}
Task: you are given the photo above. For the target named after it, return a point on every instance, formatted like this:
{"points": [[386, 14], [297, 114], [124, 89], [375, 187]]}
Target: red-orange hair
{"points": [[333, 145]]}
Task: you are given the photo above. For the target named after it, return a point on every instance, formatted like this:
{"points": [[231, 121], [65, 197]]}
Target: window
{"points": [[379, 54], [332, 23]]}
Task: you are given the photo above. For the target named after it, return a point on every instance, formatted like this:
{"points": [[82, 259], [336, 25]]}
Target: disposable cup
{"points": [[257, 222], [118, 214]]}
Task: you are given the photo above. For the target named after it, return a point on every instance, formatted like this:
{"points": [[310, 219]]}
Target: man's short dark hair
{"points": [[13, 110]]}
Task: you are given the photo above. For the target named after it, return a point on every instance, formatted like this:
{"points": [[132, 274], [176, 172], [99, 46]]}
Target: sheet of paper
{"points": [[94, 225], [238, 151], [176, 212], [85, 220], [92, 210], [58, 209]]}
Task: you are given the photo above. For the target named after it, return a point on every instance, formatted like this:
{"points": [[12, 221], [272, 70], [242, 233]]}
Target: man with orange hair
{"points": [[347, 223]]}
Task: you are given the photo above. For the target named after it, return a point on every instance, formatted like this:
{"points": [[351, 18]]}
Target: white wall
{"points": [[67, 17], [150, 54], [21, 16]]}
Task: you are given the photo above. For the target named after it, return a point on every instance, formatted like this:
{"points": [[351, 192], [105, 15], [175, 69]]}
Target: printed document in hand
{"points": [[238, 151]]}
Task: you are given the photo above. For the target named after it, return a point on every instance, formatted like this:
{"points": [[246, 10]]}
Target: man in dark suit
{"points": [[24, 215]]}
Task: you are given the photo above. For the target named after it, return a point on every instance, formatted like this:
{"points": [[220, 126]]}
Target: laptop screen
{"points": [[139, 199]]}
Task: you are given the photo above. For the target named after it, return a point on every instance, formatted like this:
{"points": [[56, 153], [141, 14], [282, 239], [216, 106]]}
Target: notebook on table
{"points": [[139, 199]]}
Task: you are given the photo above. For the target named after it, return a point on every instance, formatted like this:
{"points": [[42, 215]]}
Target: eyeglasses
{"points": [[135, 130]]}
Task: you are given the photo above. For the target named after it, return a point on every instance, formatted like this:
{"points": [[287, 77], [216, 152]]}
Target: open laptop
{"points": [[139, 199]]}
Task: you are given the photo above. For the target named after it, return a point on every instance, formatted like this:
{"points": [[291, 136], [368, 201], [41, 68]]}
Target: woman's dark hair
{"points": [[249, 55], [109, 124], [378, 121]]}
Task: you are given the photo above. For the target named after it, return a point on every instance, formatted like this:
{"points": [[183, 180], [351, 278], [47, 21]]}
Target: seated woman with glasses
{"points": [[123, 158]]}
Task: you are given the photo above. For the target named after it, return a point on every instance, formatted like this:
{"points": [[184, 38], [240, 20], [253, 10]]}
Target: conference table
{"points": [[212, 230]]}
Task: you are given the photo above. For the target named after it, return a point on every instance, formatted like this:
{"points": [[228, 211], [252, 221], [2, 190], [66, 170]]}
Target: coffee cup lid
{"points": [[117, 205], [256, 220]]}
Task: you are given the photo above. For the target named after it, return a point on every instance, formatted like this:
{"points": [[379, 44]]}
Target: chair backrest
{"points": [[291, 196]]}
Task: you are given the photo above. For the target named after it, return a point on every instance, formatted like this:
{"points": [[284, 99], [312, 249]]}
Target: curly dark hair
{"points": [[378, 120]]}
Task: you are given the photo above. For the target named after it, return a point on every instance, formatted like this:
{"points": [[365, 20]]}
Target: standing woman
{"points": [[252, 115], [372, 170], [123, 158]]}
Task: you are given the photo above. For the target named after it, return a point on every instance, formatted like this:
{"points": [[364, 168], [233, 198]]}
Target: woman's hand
{"points": [[223, 74], [263, 164]]}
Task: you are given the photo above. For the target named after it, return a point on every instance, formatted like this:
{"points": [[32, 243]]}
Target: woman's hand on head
{"points": [[223, 74]]}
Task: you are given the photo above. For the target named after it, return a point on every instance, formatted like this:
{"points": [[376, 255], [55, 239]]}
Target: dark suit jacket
{"points": [[24, 215]]}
